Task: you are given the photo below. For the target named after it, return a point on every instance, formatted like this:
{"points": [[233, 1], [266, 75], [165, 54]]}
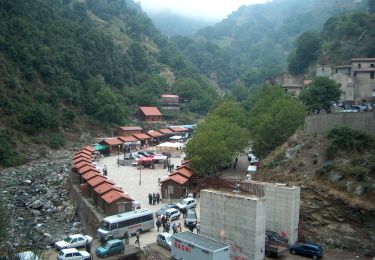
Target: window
{"points": [[147, 218], [359, 65], [372, 65], [372, 74], [113, 226]]}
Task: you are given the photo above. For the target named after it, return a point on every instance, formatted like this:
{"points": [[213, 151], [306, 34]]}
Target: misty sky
{"points": [[208, 9]]}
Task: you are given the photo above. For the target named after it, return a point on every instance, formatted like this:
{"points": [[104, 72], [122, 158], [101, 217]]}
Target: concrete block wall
{"points": [[236, 219]]}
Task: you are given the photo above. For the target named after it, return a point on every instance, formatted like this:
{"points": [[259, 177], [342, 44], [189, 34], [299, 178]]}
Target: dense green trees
{"points": [[307, 50], [320, 94], [274, 117], [218, 138]]}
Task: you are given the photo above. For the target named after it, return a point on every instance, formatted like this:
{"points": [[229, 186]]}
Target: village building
{"points": [[169, 102], [149, 114]]}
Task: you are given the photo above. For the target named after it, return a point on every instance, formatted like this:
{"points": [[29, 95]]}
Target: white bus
{"points": [[115, 226]]}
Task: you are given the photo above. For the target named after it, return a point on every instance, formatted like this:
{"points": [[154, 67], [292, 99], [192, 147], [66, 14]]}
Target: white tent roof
{"points": [[169, 144], [175, 137]]}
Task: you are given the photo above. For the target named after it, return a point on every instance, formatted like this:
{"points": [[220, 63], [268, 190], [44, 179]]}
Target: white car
{"points": [[73, 241], [187, 203], [172, 213], [164, 240], [73, 254]]}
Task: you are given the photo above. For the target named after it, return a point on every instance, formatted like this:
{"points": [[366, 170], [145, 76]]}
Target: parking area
{"points": [[138, 183]]}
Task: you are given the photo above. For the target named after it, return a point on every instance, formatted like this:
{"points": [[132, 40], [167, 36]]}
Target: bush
{"points": [[8, 155], [348, 140], [56, 140]]}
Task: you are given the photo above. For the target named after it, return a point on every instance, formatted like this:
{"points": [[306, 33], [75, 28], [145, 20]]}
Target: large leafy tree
{"points": [[274, 117], [320, 94], [218, 138]]}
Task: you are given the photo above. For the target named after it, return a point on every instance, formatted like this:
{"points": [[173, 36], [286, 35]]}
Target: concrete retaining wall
{"points": [[86, 210], [236, 219], [323, 123]]}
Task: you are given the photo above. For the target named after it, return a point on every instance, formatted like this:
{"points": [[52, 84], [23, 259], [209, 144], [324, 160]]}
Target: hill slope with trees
{"points": [[69, 64], [252, 44]]}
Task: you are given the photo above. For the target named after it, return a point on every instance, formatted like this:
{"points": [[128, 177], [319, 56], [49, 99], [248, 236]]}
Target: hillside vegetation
{"points": [[65, 64], [253, 43]]}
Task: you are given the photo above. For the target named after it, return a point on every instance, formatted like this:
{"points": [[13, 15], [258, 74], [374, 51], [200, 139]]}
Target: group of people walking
{"points": [[153, 198], [165, 222]]}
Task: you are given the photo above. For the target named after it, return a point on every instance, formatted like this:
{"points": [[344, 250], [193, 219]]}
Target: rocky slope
{"points": [[37, 202], [336, 211]]}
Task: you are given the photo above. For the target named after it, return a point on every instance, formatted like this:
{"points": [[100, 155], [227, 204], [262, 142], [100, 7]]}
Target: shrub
{"points": [[349, 140], [56, 140]]}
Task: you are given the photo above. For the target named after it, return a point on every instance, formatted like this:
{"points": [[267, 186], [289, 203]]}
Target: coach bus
{"points": [[115, 226]]}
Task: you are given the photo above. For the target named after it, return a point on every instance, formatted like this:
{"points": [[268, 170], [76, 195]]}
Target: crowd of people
{"points": [[153, 198]]}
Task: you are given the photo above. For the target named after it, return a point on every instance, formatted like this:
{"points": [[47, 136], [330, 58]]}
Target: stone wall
{"points": [[88, 213], [323, 123]]}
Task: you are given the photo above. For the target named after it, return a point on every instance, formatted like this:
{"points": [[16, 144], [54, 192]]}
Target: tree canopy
{"points": [[274, 117], [218, 138], [320, 94]]}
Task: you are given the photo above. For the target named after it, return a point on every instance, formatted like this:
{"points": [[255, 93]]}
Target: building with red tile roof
{"points": [[178, 129], [114, 145], [154, 133], [84, 151], [149, 114], [89, 175], [114, 202], [79, 155], [127, 139], [81, 159], [86, 168], [128, 130], [165, 131], [81, 164], [177, 182]]}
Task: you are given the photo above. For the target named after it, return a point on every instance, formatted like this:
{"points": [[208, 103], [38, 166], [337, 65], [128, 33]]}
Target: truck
{"points": [[275, 244], [190, 246]]}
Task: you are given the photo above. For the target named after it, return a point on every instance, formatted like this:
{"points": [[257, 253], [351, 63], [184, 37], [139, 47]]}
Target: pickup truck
{"points": [[275, 244]]}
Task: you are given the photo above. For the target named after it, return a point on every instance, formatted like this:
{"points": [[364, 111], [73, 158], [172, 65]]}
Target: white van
{"points": [[115, 226]]}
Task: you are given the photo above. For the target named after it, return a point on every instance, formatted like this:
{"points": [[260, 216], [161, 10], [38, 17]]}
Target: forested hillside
{"points": [[342, 38], [253, 43], [65, 63]]}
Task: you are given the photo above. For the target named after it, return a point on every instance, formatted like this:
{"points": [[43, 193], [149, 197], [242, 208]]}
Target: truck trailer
{"points": [[191, 246]]}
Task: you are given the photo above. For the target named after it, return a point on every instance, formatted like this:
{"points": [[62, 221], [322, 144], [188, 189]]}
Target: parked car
{"points": [[163, 209], [112, 247], [73, 254], [73, 241], [164, 240], [172, 214], [186, 203], [307, 249], [191, 218], [275, 237]]}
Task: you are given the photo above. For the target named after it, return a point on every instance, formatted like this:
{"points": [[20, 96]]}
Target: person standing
{"points": [[150, 198], [174, 228], [158, 223], [157, 197], [153, 198], [167, 226], [138, 235], [179, 227], [198, 227], [126, 237]]}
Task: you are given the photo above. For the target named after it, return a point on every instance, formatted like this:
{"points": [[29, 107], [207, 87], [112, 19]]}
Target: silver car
{"points": [[164, 240]]}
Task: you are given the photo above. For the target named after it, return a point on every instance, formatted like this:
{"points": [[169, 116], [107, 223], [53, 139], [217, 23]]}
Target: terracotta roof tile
{"points": [[89, 175], [102, 188], [96, 181], [131, 128], [86, 168], [83, 151], [113, 196], [178, 129], [150, 111], [81, 159], [165, 131], [127, 138], [112, 141], [141, 136], [81, 164], [154, 133], [89, 148], [79, 155], [184, 172], [179, 179]]}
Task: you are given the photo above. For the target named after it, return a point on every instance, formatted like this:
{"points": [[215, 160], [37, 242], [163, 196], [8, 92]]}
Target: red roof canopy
{"points": [[81, 164], [154, 133], [96, 181], [131, 128], [79, 155], [165, 131], [150, 111], [184, 172], [81, 159], [178, 129], [89, 175], [178, 178], [89, 148], [127, 138], [86, 168], [141, 136], [84, 151], [112, 141], [114, 195]]}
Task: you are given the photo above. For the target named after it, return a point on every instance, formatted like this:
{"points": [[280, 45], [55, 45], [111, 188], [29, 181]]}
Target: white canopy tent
{"points": [[172, 148]]}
